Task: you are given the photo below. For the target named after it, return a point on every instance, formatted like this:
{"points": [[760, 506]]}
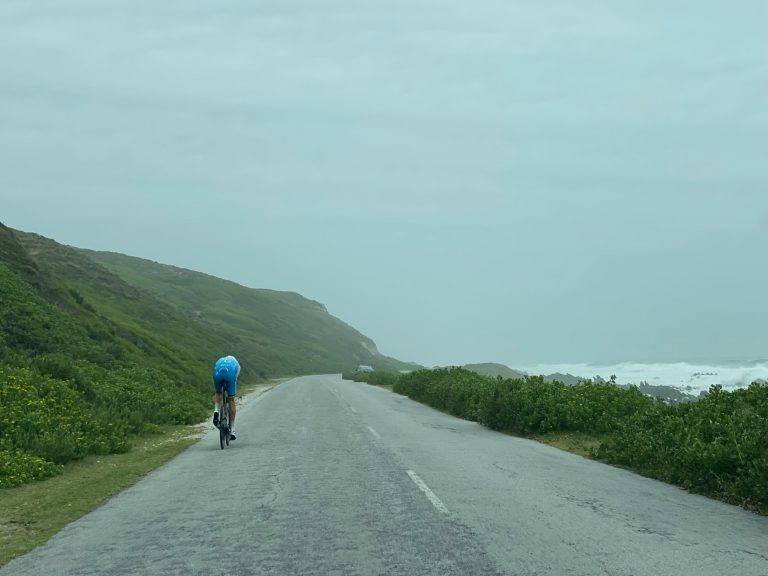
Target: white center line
{"points": [[374, 433], [431, 495]]}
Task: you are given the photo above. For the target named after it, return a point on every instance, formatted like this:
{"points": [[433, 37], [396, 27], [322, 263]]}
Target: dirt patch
{"points": [[7, 528]]}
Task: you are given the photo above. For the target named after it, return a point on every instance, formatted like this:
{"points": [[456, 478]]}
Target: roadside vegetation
{"points": [[715, 446], [32, 513], [382, 378], [98, 349], [69, 388]]}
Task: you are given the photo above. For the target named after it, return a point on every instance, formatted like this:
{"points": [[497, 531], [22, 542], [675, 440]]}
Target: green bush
{"points": [[56, 421], [17, 468], [716, 446], [526, 405], [46, 418], [376, 378], [68, 388]]}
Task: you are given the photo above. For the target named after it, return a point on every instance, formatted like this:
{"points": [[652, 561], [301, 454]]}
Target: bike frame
{"points": [[224, 430]]}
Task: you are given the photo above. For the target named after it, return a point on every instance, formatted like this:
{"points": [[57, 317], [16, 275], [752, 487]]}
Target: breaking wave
{"points": [[690, 378]]}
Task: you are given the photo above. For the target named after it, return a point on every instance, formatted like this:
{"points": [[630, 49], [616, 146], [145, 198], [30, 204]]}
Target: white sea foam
{"points": [[691, 378]]}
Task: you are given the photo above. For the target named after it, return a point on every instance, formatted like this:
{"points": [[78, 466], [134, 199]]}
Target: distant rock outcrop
{"points": [[567, 379], [493, 369]]}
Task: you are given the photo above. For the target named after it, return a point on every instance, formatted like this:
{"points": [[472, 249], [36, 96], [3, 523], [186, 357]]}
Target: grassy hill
{"points": [[87, 340], [72, 382], [272, 333], [87, 290], [278, 333]]}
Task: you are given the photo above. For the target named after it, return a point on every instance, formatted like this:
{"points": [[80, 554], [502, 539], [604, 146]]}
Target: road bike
{"points": [[225, 431]]}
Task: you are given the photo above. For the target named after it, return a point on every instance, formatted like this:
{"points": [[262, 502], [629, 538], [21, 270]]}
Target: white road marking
{"points": [[374, 433], [431, 495]]}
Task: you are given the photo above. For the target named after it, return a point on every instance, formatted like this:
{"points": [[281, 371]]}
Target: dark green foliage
{"points": [[92, 412], [18, 467], [46, 418], [376, 378], [69, 387], [13, 255], [527, 405], [717, 446]]}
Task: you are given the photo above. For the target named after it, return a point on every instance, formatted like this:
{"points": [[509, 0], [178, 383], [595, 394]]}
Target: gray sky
{"points": [[504, 180]]}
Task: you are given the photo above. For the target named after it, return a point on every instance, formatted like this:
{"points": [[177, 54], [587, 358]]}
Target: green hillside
{"points": [[73, 382], [278, 332], [160, 330], [272, 333], [96, 347]]}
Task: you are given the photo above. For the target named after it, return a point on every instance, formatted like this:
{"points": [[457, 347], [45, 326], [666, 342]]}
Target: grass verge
{"points": [[32, 513], [576, 442]]}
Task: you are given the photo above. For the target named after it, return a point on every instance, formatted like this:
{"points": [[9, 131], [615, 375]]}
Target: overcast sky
{"points": [[501, 180]]}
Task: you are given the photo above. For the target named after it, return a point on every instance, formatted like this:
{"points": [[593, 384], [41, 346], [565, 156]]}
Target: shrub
{"points": [[716, 446], [377, 378], [17, 468], [57, 420]]}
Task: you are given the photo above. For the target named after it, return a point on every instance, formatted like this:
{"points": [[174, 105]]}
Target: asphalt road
{"points": [[331, 477]]}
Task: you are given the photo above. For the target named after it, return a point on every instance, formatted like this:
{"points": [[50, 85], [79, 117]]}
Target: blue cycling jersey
{"points": [[226, 369]]}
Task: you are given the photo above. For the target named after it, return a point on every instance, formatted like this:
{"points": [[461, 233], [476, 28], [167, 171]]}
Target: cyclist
{"points": [[225, 373]]}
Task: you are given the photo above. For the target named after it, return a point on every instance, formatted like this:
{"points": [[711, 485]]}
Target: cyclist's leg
{"points": [[218, 388], [232, 410], [232, 391]]}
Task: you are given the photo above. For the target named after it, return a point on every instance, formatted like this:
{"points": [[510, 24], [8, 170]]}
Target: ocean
{"points": [[688, 378]]}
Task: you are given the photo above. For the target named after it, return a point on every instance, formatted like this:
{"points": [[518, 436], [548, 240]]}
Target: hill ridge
{"points": [[277, 333]]}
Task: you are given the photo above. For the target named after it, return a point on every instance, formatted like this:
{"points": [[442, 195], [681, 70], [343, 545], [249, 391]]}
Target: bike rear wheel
{"points": [[224, 422]]}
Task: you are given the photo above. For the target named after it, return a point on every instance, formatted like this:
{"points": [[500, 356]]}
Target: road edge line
{"points": [[436, 502]]}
